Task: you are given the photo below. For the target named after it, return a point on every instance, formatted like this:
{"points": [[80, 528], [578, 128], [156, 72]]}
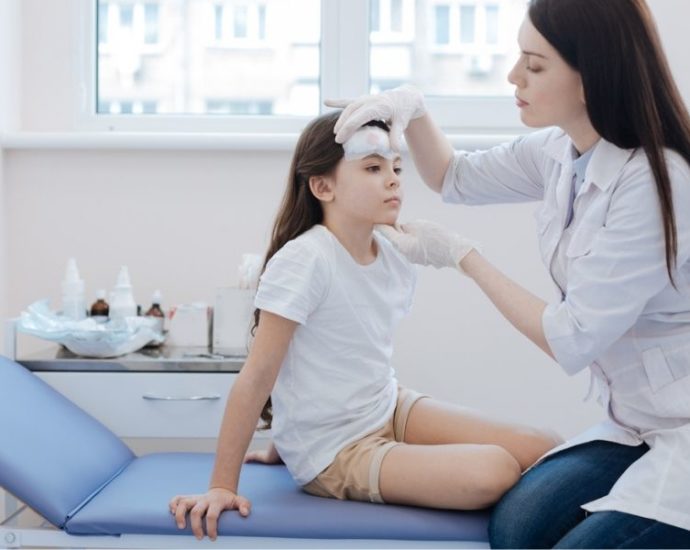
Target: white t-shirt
{"points": [[336, 383]]}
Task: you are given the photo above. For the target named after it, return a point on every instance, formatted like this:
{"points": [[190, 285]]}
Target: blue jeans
{"points": [[543, 509]]}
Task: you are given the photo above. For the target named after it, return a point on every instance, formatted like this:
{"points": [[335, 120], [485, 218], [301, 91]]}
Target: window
{"points": [[492, 24], [276, 60], [236, 23], [150, 23], [467, 24], [391, 20], [210, 57], [442, 22], [453, 47]]}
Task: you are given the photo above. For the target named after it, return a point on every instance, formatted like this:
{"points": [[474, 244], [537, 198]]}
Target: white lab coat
{"points": [[619, 315]]}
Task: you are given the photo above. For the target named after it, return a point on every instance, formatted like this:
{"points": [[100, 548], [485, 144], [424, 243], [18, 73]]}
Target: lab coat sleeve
{"points": [[611, 279], [512, 172]]}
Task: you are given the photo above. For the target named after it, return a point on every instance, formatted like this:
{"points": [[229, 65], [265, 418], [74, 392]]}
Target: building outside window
{"points": [[264, 57]]}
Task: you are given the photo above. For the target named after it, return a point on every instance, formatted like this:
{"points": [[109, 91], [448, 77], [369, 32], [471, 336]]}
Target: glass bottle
{"points": [[156, 311], [100, 308]]}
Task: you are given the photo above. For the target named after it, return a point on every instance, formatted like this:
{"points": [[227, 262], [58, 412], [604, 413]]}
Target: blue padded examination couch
{"points": [[78, 475]]}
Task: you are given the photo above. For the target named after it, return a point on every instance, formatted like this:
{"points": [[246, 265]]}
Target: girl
{"points": [[614, 228], [331, 293]]}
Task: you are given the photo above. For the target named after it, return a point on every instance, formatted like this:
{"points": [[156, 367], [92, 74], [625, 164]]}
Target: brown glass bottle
{"points": [[156, 311], [100, 307]]}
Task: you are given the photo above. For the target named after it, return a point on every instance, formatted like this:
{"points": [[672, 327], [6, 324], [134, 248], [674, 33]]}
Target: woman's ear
{"points": [[322, 188]]}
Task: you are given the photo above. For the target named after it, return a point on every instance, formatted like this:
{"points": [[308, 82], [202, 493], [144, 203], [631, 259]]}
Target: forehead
{"points": [[531, 41]]}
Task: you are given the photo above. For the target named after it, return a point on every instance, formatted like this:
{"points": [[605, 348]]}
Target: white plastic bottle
{"points": [[73, 299], [122, 302]]}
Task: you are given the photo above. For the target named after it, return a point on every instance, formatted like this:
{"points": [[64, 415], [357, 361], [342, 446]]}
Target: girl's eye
{"points": [[373, 168], [397, 170], [534, 69]]}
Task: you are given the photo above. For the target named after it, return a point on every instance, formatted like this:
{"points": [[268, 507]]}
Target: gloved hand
{"points": [[397, 107], [427, 243]]}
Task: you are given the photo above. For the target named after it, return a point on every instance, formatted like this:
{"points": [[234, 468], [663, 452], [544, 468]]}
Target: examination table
{"points": [[90, 486]]}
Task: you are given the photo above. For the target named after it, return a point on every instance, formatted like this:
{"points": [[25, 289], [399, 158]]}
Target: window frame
{"points": [[344, 66]]}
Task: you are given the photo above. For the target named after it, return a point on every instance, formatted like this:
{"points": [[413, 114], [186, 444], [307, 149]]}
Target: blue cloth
{"points": [[543, 509]]}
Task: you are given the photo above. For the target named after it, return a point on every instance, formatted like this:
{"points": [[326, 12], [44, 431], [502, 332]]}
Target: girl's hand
{"points": [[268, 456], [211, 505], [427, 243]]}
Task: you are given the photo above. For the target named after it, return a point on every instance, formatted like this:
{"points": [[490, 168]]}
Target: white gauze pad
{"points": [[368, 140]]}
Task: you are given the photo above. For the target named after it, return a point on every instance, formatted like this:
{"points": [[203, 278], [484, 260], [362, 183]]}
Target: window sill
{"points": [[168, 141]]}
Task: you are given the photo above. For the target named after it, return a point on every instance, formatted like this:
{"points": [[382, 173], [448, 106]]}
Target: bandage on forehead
{"points": [[368, 140]]}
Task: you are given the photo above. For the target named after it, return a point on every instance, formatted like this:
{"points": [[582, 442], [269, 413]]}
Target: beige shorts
{"points": [[354, 473]]}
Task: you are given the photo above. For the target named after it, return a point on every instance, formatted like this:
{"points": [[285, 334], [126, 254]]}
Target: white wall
{"points": [[180, 221], [672, 17], [9, 64], [9, 120]]}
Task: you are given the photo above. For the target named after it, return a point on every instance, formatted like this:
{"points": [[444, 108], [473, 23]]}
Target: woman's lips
{"points": [[520, 103]]}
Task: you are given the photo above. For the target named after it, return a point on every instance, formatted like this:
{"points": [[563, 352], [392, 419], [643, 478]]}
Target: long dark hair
{"points": [[316, 154], [632, 100]]}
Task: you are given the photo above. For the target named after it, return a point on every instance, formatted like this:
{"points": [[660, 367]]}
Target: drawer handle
{"points": [[154, 397]]}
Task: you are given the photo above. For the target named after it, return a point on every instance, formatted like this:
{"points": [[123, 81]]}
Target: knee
{"points": [[501, 472], [516, 518], [506, 525], [536, 443]]}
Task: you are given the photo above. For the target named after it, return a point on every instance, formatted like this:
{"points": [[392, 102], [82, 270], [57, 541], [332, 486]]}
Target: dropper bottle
{"points": [[122, 302], [73, 300]]}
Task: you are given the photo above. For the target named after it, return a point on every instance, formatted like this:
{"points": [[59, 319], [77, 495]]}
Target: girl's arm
{"points": [[247, 397]]}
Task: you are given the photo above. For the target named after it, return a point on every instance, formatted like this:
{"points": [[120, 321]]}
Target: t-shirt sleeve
{"points": [[294, 283]]}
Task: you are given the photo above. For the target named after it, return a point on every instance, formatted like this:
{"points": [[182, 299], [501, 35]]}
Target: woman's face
{"points": [[548, 91]]}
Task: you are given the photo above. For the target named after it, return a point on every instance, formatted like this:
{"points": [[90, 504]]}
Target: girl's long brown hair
{"points": [[316, 154], [632, 100]]}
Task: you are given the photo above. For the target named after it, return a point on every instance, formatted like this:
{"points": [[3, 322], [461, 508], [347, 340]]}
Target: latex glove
{"points": [[427, 243], [397, 107]]}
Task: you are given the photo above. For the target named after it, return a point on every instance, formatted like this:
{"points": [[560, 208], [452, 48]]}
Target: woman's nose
{"points": [[514, 75]]}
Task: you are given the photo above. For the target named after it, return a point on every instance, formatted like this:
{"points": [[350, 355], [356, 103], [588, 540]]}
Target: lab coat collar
{"points": [[606, 164], [604, 167], [560, 149]]}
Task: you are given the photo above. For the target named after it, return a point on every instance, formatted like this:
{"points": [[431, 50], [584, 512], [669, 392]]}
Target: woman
{"points": [[613, 173]]}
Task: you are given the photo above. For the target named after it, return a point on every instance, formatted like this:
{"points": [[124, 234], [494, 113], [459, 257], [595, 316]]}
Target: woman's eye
{"points": [[534, 69], [373, 168], [398, 170]]}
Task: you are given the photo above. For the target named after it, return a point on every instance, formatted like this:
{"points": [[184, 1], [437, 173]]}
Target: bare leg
{"points": [[434, 422], [460, 477]]}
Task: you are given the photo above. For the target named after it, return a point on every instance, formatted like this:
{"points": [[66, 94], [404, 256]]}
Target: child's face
{"points": [[368, 190]]}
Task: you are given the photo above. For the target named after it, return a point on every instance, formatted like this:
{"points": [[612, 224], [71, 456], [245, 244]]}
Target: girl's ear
{"points": [[322, 188]]}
